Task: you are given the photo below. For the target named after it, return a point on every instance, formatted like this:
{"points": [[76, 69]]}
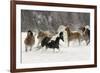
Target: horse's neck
{"points": [[85, 31], [57, 40], [65, 36], [29, 36], [69, 32]]}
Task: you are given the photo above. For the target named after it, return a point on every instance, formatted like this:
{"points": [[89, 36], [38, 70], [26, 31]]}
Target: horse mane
{"points": [[68, 31]]}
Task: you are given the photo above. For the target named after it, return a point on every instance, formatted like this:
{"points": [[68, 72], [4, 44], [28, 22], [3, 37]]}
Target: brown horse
{"points": [[72, 35], [29, 40]]}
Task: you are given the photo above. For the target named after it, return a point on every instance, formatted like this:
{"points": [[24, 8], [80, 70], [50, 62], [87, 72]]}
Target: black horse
{"points": [[53, 44]]}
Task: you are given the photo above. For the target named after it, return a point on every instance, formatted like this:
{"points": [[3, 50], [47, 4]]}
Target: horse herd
{"points": [[51, 40]]}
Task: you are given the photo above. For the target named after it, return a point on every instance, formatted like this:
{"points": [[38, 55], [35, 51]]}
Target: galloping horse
{"points": [[52, 44], [42, 35]]}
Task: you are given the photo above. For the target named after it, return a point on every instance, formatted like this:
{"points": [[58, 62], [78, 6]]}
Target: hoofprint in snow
{"points": [[66, 54]]}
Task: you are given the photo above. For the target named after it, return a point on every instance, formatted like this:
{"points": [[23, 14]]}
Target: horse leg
{"points": [[68, 43], [54, 50], [88, 41], [46, 48], [38, 44], [79, 41], [58, 49], [26, 48], [31, 48]]}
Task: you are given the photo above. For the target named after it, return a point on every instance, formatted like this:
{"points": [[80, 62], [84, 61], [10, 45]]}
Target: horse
{"points": [[42, 35], [72, 35], [29, 40], [85, 34], [53, 44]]}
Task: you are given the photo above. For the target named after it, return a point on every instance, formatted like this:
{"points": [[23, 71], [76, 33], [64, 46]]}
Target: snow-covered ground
{"points": [[72, 53]]}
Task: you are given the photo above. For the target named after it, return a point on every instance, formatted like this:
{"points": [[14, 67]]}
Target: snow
{"points": [[74, 52]]}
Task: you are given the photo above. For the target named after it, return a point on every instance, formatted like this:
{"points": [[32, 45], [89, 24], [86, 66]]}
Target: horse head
{"points": [[29, 33], [61, 36]]}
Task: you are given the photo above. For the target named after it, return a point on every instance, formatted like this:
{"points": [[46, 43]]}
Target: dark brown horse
{"points": [[85, 34], [29, 40], [72, 35]]}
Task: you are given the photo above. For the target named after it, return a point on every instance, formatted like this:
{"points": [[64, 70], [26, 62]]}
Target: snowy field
{"points": [[66, 54]]}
